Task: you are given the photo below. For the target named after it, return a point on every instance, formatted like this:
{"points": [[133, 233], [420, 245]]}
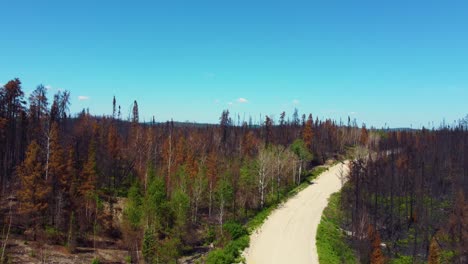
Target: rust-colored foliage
{"points": [[434, 252], [458, 224], [249, 144], [377, 256], [307, 133], [364, 138], [34, 189]]}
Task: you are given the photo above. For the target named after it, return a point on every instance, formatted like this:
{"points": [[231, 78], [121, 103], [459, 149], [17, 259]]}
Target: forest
{"points": [[406, 201], [164, 190], [160, 189]]}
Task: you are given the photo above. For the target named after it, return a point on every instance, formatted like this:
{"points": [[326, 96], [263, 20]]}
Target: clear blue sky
{"points": [[397, 62]]}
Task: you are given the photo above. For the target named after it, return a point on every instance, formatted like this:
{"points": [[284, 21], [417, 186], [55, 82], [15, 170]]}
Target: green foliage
{"points": [[235, 247], [230, 253], [151, 171], [180, 204], [247, 175], [183, 177], [95, 261], [300, 149], [160, 251], [224, 191], [235, 230], [210, 234], [149, 246], [133, 211], [156, 204], [164, 218], [331, 244], [168, 250], [218, 256], [260, 217], [315, 172], [446, 256], [402, 260]]}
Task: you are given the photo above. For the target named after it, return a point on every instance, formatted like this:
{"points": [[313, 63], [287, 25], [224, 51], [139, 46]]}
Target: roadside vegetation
{"points": [[332, 244], [231, 252]]}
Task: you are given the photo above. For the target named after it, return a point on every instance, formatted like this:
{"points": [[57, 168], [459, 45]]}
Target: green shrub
{"points": [[446, 256], [234, 248], [235, 230], [218, 256], [230, 254], [260, 217]]}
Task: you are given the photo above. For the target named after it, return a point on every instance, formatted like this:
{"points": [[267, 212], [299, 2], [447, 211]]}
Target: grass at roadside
{"points": [[231, 252], [331, 244]]}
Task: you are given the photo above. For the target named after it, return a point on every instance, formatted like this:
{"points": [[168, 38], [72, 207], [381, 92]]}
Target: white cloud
{"points": [[295, 102], [83, 97], [48, 87], [242, 100], [230, 103], [352, 113], [216, 101]]}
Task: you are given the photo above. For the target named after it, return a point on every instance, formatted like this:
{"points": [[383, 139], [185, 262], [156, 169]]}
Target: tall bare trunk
{"points": [[6, 238], [210, 199]]}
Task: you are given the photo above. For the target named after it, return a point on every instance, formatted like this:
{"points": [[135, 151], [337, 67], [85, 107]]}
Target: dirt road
{"points": [[288, 235]]}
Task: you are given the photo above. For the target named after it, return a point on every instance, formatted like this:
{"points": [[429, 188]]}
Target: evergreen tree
{"points": [[87, 183], [156, 204], [57, 175], [34, 190], [224, 194], [135, 113], [133, 220], [434, 252], [180, 204]]}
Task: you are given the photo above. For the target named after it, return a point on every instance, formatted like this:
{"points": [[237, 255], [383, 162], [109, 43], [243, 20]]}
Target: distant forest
{"points": [[180, 183]]}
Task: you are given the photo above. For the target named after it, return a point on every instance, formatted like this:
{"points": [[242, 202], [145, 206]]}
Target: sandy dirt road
{"points": [[288, 235]]}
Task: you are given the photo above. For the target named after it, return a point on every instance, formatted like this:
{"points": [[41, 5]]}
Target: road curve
{"points": [[288, 235]]}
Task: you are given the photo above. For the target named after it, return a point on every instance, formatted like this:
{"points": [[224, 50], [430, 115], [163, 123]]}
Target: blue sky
{"points": [[399, 63]]}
